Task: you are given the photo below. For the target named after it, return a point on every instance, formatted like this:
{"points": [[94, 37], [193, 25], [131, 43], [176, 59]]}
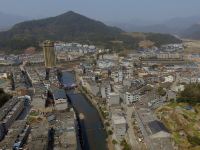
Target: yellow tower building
{"points": [[49, 54]]}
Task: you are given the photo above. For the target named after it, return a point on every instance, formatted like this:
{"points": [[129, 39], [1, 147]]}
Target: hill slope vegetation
{"points": [[71, 27]]}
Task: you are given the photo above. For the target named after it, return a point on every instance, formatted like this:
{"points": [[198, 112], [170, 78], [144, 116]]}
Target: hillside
{"points": [[182, 120], [156, 38], [182, 117], [4, 97], [192, 32], [70, 27]]}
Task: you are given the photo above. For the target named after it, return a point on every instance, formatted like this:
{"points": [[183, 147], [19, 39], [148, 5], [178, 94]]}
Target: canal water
{"points": [[94, 136]]}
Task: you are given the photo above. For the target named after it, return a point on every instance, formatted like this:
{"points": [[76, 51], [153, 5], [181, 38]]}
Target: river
{"points": [[94, 136]]}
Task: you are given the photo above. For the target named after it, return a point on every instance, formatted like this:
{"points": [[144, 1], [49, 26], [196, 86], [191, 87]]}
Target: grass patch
{"points": [[33, 113], [181, 119]]}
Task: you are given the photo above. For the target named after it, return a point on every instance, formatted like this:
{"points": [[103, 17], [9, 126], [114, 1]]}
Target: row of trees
{"points": [[4, 97], [191, 94]]}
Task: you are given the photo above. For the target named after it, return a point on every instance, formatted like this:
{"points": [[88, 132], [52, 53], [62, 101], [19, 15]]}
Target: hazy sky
{"points": [[105, 10]]}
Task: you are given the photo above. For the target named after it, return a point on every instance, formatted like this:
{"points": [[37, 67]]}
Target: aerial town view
{"points": [[99, 75]]}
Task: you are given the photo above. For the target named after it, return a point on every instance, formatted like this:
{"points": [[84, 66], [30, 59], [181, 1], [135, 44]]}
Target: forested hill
{"points": [[72, 27]]}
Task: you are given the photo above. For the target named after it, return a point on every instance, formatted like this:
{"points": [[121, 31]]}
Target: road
{"points": [[175, 83], [144, 131], [131, 135]]}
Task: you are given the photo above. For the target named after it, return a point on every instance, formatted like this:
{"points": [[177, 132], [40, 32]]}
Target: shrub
{"points": [[110, 132], [114, 141], [194, 140]]}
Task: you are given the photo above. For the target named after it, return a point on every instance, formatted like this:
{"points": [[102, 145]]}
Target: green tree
{"points": [[161, 91], [114, 141], [190, 94], [4, 97]]}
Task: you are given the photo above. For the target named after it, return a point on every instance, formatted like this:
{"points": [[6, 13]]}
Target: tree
{"points": [[161, 91], [194, 140], [110, 132], [4, 97], [125, 145], [190, 94], [114, 141]]}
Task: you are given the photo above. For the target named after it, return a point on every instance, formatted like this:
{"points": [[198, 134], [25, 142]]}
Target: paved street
{"points": [[143, 130], [132, 138]]}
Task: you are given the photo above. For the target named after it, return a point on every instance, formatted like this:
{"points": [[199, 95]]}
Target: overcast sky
{"points": [[105, 10]]}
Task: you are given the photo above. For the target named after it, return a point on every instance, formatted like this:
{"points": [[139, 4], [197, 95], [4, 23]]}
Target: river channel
{"points": [[94, 135]]}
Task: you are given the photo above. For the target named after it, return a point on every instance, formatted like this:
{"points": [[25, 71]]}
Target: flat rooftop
{"points": [[157, 126], [39, 136], [13, 133], [7, 107], [65, 131], [118, 119]]}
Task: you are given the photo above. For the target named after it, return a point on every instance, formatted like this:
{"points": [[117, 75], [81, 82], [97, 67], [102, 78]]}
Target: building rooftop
{"points": [[113, 94], [65, 131], [118, 116], [119, 120], [157, 126], [7, 107], [13, 133], [39, 136], [59, 94], [38, 103]]}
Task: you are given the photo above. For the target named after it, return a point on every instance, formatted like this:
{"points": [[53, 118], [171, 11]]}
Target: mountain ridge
{"points": [[172, 26], [70, 27], [193, 32]]}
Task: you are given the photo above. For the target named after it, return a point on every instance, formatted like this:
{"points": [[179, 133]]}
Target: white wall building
{"points": [[105, 64], [92, 87], [117, 76], [105, 90], [120, 126], [113, 99], [3, 76], [110, 56], [169, 79], [130, 98]]}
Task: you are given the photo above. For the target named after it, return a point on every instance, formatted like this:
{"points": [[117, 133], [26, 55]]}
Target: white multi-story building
{"points": [[169, 55], [169, 78], [127, 82], [105, 64], [130, 98], [74, 47], [105, 90], [113, 99], [110, 57], [117, 76], [9, 112], [118, 88], [3, 76], [120, 126], [92, 87], [60, 100]]}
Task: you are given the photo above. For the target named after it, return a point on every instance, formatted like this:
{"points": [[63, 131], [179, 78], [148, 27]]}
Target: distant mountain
{"points": [[193, 32], [8, 20], [70, 27], [172, 26], [182, 23], [130, 25], [156, 28]]}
